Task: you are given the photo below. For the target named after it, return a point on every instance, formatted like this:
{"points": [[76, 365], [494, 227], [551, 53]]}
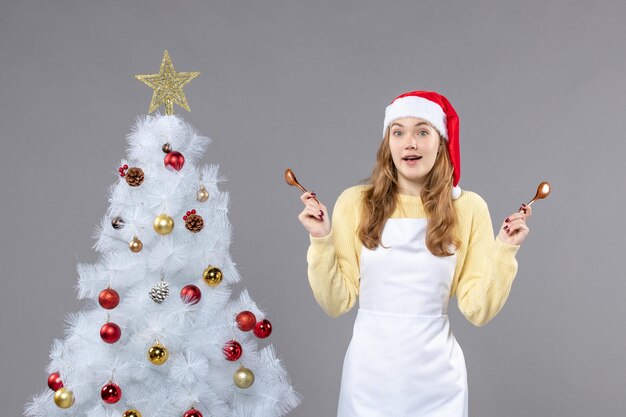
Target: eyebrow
{"points": [[418, 124]]}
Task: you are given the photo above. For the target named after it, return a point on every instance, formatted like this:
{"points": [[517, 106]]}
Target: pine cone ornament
{"points": [[193, 222], [134, 176], [159, 292]]}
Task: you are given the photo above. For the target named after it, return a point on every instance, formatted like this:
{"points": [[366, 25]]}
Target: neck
{"points": [[413, 190], [409, 194], [409, 187]]}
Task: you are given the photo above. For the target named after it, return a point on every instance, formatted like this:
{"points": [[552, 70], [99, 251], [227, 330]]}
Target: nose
{"points": [[412, 142]]}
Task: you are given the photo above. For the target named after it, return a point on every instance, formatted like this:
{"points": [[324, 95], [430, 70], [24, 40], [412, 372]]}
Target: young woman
{"points": [[404, 243]]}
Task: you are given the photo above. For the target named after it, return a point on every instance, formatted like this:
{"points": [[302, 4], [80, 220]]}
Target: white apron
{"points": [[403, 360]]}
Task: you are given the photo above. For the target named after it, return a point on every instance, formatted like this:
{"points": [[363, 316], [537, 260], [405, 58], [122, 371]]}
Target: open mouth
{"points": [[412, 158]]}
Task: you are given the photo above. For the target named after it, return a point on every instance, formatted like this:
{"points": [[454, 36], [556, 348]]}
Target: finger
{"points": [[310, 212], [313, 212], [522, 229], [305, 217], [313, 204], [307, 212], [306, 196], [316, 204], [526, 210], [515, 226], [514, 216]]}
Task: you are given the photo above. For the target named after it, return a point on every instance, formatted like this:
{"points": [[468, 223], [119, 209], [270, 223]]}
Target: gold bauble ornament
{"points": [[212, 275], [158, 354], [131, 413], [135, 245], [244, 378], [163, 224], [63, 398], [203, 194]]}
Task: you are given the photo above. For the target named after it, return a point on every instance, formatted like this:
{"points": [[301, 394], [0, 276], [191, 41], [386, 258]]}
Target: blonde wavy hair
{"points": [[380, 199]]}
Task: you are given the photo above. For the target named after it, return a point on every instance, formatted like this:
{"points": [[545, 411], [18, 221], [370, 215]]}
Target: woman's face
{"points": [[410, 137]]}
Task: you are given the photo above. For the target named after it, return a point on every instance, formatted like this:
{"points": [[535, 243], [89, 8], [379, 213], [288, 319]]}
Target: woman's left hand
{"points": [[514, 230]]}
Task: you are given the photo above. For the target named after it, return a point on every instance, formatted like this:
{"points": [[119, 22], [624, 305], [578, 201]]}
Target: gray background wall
{"points": [[540, 89]]}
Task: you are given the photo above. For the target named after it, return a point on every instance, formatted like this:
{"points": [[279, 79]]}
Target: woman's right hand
{"points": [[314, 217]]}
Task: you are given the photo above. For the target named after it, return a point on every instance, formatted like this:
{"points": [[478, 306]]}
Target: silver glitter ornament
{"points": [[117, 222]]}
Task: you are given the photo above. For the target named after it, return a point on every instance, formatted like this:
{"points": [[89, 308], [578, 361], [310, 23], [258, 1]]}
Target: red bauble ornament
{"points": [[263, 329], [232, 350], [192, 413], [174, 159], [54, 381], [109, 299], [110, 332], [190, 294], [111, 393], [246, 320]]}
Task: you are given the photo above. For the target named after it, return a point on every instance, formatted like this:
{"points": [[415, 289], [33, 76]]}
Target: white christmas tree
{"points": [[160, 335]]}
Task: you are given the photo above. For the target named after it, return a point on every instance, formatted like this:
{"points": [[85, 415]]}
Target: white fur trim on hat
{"points": [[412, 106]]}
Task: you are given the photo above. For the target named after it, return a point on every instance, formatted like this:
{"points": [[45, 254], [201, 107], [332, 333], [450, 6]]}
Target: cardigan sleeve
{"points": [[333, 264], [488, 270]]}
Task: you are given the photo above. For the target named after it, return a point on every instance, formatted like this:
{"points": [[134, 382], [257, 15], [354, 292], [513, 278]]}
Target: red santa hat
{"points": [[437, 110]]}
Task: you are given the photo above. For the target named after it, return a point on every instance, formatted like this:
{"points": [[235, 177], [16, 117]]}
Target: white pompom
{"points": [[456, 192]]}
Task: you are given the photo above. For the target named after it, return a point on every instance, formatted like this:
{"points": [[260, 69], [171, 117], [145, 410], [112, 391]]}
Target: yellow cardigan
{"points": [[485, 269]]}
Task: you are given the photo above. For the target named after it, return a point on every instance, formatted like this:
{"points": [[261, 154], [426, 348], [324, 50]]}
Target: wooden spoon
{"points": [[543, 190], [290, 177]]}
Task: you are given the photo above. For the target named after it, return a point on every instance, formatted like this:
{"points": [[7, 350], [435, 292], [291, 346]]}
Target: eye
{"points": [[396, 133], [425, 133]]}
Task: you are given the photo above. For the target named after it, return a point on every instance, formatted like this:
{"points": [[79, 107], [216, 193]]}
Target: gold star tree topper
{"points": [[168, 86]]}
